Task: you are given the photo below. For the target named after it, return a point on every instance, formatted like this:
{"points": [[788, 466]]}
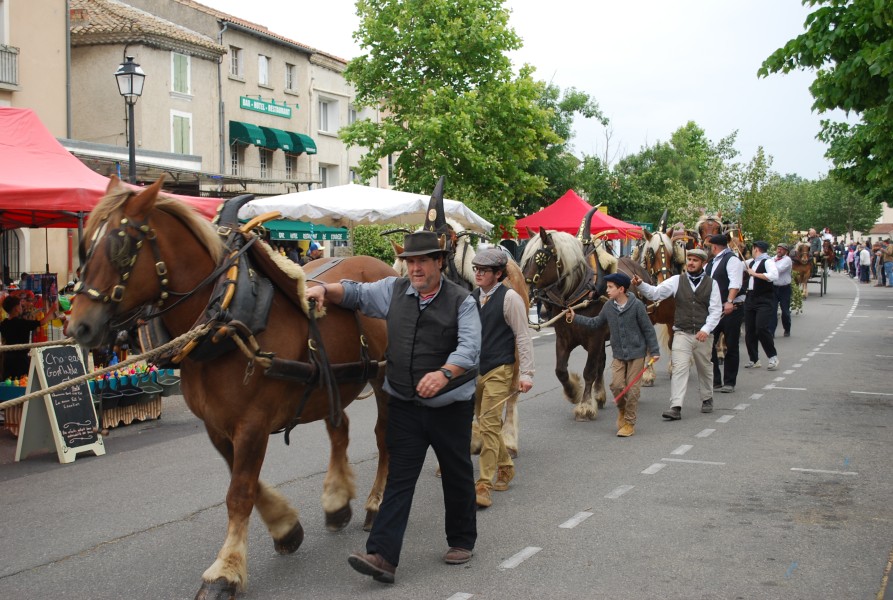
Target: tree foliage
{"points": [[450, 102], [367, 240], [849, 44]]}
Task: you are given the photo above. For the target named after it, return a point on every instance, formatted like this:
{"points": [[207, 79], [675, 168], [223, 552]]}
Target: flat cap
{"points": [[719, 239], [764, 246], [698, 253], [619, 279], [491, 257]]}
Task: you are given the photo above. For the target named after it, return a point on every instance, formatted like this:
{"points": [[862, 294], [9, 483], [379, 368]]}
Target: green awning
{"points": [[278, 140], [246, 133], [301, 230], [302, 143]]}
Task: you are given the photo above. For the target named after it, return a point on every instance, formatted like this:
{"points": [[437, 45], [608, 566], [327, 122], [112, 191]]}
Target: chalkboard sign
{"points": [[70, 422]]}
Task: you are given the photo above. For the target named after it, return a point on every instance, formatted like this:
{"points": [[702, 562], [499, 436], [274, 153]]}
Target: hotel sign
{"points": [[269, 108]]}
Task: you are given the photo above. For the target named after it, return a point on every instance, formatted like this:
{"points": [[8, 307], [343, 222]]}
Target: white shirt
{"points": [[735, 271], [771, 270], [864, 257], [670, 286], [784, 266]]}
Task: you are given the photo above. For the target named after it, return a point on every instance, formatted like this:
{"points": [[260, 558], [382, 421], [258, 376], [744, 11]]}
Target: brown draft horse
{"points": [[801, 267], [172, 252], [559, 275], [708, 224]]}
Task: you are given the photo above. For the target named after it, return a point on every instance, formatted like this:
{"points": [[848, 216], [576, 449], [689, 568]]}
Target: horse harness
{"points": [[237, 311]]}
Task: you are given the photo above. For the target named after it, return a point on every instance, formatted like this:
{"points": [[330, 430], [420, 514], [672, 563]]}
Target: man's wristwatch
{"points": [[446, 373]]}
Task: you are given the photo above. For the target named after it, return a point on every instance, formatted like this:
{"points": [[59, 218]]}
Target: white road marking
{"points": [[693, 462], [520, 557], [682, 449], [779, 379], [704, 433], [791, 389], [823, 471], [756, 396], [860, 316], [575, 520], [871, 393], [741, 407], [832, 353], [883, 356], [851, 331], [460, 596], [617, 492], [770, 386], [814, 350], [822, 344], [789, 372], [804, 360], [653, 469], [725, 418], [797, 365]]}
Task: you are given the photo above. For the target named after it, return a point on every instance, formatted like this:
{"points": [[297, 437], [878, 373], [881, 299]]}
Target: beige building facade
{"points": [[33, 74]]}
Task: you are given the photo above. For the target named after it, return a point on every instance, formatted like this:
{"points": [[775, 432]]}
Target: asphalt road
{"points": [[783, 492]]}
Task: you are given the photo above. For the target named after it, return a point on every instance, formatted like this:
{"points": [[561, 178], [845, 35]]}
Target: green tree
{"points": [[367, 240], [451, 104], [849, 45]]}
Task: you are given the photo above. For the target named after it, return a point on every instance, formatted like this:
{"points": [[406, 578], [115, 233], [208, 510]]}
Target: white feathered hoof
{"points": [[648, 378], [576, 389], [585, 412]]}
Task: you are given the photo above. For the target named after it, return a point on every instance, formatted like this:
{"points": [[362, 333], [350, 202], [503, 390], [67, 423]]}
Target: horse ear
{"points": [[544, 236], [647, 235], [530, 233], [137, 206], [114, 184], [398, 249]]}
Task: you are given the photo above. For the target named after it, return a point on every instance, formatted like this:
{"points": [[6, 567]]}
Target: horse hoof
{"points": [[219, 589], [291, 542], [338, 520], [648, 383], [370, 519]]}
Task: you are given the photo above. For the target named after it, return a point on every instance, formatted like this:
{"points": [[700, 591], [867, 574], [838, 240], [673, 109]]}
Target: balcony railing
{"points": [[9, 65]]}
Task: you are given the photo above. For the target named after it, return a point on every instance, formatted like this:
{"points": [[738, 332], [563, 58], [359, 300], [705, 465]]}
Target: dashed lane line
{"points": [[619, 491], [741, 407], [693, 462], [823, 471], [653, 469], [520, 557], [871, 393], [682, 449], [575, 520], [460, 596], [705, 433], [725, 418]]}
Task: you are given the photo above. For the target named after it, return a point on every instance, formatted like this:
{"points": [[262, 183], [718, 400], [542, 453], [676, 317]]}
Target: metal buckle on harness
{"points": [[117, 293]]}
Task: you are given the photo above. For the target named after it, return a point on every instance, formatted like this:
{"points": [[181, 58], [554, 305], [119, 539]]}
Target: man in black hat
{"points": [[759, 306], [727, 270], [504, 326], [434, 340], [782, 289]]}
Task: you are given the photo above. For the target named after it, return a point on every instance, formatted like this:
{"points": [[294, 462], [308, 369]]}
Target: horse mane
{"points": [[568, 251], [676, 252], [202, 229]]}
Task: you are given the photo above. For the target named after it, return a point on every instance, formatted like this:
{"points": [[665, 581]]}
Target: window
{"points": [[328, 115], [323, 177], [235, 62], [291, 166], [263, 70], [353, 176], [351, 115], [181, 132], [266, 162], [180, 73], [392, 177], [235, 159], [291, 77]]}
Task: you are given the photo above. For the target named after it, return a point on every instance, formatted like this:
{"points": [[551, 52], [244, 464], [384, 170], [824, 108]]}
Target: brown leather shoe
{"points": [[504, 476], [457, 556], [482, 495], [374, 565]]}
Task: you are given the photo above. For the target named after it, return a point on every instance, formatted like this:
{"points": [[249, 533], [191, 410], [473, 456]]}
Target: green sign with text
{"points": [[269, 108]]}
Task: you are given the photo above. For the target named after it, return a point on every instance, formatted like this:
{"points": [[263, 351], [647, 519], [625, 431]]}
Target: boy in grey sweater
{"points": [[632, 338]]}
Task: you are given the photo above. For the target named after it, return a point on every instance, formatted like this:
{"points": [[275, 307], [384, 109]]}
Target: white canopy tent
{"points": [[349, 205]]}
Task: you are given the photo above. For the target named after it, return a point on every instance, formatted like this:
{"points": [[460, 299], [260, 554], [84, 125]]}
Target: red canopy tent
{"points": [[44, 185], [566, 214]]}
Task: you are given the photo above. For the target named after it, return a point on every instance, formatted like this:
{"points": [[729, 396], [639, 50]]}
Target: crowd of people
{"points": [[295, 252]]}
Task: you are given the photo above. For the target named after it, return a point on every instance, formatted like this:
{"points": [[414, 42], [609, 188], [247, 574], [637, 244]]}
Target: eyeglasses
{"points": [[482, 269]]}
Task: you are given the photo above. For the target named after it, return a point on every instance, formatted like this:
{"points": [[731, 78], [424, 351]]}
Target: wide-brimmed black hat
{"points": [[719, 239], [421, 243]]}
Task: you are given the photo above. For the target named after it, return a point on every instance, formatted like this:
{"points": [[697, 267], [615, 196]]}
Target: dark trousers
{"points": [[757, 320], [783, 300], [411, 430], [730, 326]]}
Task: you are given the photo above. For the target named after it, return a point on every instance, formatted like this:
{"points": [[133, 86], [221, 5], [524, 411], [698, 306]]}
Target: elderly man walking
{"points": [[698, 309]]}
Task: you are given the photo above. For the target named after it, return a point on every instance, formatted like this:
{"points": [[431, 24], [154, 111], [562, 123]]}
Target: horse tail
{"points": [[515, 279]]}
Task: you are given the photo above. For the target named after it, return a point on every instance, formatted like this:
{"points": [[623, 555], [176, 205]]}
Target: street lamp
{"points": [[130, 85]]}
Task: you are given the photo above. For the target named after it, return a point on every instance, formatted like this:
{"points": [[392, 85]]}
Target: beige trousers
{"points": [[622, 373], [492, 389], [685, 348]]}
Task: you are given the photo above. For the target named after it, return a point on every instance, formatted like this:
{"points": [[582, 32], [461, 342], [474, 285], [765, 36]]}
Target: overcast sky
{"points": [[652, 65]]}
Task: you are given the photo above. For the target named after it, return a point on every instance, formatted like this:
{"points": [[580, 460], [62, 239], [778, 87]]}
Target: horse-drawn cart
{"points": [[819, 276]]}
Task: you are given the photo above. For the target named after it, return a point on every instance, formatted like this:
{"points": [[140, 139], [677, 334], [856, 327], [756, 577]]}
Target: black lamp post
{"points": [[130, 85]]}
